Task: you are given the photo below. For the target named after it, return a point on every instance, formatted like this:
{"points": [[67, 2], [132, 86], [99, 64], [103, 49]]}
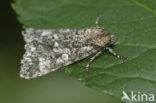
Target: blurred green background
{"points": [[55, 87]]}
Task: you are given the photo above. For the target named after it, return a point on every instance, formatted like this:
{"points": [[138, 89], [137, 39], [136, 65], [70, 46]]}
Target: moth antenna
{"points": [[97, 21]]}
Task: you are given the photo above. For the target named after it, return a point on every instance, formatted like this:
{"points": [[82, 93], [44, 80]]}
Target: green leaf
{"points": [[133, 22]]}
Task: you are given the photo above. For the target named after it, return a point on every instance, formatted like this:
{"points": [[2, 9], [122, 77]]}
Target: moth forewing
{"points": [[49, 50]]}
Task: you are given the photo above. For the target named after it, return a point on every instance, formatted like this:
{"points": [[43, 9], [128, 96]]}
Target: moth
{"points": [[49, 50]]}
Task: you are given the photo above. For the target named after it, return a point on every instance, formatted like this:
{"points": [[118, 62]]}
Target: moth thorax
{"points": [[93, 32], [102, 40]]}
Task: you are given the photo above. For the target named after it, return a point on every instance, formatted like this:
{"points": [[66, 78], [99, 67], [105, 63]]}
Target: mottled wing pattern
{"points": [[49, 50]]}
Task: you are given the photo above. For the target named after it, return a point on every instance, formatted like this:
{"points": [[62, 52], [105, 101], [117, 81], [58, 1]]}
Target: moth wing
{"points": [[49, 50]]}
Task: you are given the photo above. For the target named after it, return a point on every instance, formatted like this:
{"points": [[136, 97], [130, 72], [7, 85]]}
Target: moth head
{"points": [[98, 35]]}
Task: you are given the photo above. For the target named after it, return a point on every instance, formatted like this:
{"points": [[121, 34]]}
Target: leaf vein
{"points": [[144, 6]]}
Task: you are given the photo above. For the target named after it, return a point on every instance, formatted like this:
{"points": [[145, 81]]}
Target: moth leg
{"points": [[115, 54], [97, 21], [92, 59]]}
